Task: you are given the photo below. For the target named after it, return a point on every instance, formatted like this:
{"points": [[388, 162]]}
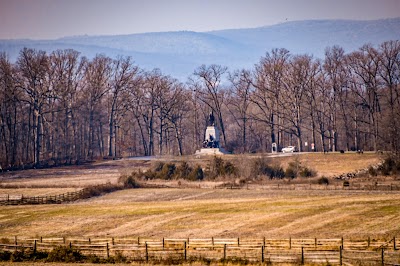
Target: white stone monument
{"points": [[211, 140]]}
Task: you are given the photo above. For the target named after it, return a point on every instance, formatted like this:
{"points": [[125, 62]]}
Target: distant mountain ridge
{"points": [[179, 53]]}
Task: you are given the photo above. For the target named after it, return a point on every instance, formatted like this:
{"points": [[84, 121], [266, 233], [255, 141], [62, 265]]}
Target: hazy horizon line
{"points": [[210, 31]]}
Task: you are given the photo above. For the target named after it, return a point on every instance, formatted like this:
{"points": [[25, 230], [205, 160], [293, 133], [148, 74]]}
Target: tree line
{"points": [[64, 108]]}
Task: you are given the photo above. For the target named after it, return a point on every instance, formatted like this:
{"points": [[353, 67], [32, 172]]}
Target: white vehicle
{"points": [[289, 149]]}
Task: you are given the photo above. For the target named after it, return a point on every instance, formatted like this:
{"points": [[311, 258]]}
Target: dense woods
{"points": [[63, 108]]}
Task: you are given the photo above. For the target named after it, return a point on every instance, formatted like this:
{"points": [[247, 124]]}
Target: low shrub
{"points": [[183, 171], [118, 258], [372, 171], [218, 167], [94, 191], [261, 167], [129, 181], [65, 254], [296, 169], [149, 175], [158, 166], [196, 174], [4, 240], [5, 255], [307, 172], [25, 255], [18, 256], [323, 180], [390, 166], [229, 169], [167, 171], [290, 172], [293, 169], [278, 172]]}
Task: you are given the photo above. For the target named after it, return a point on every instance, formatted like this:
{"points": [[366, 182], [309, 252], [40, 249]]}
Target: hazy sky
{"points": [[44, 19]]}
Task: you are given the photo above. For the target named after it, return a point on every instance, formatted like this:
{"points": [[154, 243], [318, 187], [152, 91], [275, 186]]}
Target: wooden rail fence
{"points": [[85, 192], [55, 199], [332, 251]]}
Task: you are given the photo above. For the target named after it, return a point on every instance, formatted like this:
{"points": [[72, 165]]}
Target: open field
{"points": [[198, 209], [205, 212]]}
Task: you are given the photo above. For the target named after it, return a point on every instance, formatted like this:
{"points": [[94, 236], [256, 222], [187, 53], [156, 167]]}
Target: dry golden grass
{"points": [[200, 213], [206, 213]]}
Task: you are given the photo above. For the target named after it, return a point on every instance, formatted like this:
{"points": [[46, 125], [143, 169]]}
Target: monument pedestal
{"points": [[211, 151]]}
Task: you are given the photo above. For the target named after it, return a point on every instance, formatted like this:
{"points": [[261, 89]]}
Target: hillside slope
{"points": [[180, 53]]}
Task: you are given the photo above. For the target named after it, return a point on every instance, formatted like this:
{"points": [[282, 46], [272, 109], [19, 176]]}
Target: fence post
{"points": [[302, 255], [185, 251], [90, 241], [383, 257], [108, 251], [224, 252], [342, 243], [238, 242], [262, 254], [394, 243], [147, 252], [70, 245], [290, 242], [264, 241], [112, 241], [315, 243], [369, 241], [34, 247], [163, 242], [212, 242], [340, 255], [138, 241]]}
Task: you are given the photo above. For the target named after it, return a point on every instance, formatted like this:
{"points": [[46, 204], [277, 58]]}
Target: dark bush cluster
{"points": [[390, 166], [58, 254], [169, 171], [296, 169], [128, 181], [261, 167], [64, 254], [218, 167], [323, 181], [98, 190]]}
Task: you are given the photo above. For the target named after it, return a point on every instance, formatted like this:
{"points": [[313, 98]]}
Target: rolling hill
{"points": [[180, 53]]}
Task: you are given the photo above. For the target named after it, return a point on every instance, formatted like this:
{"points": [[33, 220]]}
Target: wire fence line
{"points": [[333, 251]]}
